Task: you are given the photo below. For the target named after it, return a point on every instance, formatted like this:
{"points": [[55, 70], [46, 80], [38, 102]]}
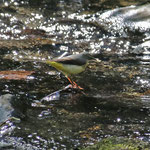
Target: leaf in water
{"points": [[46, 41], [34, 32], [147, 92], [15, 75], [94, 128]]}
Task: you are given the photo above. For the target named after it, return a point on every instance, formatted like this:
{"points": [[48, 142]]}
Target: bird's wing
{"points": [[70, 60]]}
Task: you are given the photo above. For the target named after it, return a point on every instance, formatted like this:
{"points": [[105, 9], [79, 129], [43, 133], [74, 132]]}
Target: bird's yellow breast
{"points": [[66, 68]]}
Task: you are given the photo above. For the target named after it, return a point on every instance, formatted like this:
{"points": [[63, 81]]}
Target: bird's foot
{"points": [[76, 86]]}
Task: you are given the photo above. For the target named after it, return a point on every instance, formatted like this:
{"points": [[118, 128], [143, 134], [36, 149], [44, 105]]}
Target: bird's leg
{"points": [[74, 85], [70, 80]]}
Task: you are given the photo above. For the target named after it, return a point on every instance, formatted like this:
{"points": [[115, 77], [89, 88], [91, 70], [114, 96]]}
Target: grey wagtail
{"points": [[72, 64]]}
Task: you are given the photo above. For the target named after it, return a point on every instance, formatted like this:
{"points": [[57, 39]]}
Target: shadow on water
{"points": [[82, 119]]}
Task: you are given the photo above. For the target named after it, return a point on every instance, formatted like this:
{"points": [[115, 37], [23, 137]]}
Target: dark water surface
{"points": [[35, 111]]}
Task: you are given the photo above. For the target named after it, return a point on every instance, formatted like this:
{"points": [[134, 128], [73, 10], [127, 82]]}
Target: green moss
{"points": [[119, 144]]}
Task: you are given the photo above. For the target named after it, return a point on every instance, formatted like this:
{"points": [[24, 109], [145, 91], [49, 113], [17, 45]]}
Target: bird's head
{"points": [[87, 56]]}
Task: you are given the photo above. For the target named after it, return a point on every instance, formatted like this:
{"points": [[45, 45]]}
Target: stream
{"points": [[38, 110]]}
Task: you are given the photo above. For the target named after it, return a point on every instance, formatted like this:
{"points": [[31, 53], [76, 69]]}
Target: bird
{"points": [[70, 65]]}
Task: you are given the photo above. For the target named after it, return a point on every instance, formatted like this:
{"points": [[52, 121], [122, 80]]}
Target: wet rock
{"points": [[123, 20], [6, 108], [11, 143], [119, 143], [10, 113], [10, 107], [65, 93], [143, 48]]}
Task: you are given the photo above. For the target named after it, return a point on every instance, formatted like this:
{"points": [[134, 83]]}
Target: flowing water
{"points": [[37, 109]]}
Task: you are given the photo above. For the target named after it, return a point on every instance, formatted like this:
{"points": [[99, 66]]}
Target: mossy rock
{"points": [[119, 144]]}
